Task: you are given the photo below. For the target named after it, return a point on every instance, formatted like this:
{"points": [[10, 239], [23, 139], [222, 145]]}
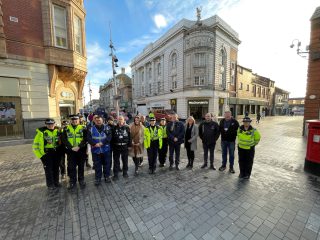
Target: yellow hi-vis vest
{"points": [[75, 136], [248, 139], [45, 139], [151, 135], [164, 131]]}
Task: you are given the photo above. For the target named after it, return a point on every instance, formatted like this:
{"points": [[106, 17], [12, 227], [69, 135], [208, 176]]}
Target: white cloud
{"points": [[160, 21]]}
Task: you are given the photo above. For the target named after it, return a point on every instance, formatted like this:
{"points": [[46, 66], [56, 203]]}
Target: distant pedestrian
{"points": [[175, 132], [258, 117], [228, 130], [248, 138], [137, 149], [45, 146], [190, 140], [209, 134]]}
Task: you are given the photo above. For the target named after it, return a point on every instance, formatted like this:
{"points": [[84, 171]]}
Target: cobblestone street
{"points": [[280, 201]]}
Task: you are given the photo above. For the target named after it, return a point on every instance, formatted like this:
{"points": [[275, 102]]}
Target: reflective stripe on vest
{"points": [[50, 138], [98, 137], [75, 136]]}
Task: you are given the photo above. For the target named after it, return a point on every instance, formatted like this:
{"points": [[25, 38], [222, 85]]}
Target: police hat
{"points": [[163, 119], [49, 121], [152, 119], [246, 119], [74, 117]]}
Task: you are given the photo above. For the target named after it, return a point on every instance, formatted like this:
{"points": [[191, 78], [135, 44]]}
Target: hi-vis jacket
{"points": [[164, 131], [152, 135], [248, 138], [103, 136], [74, 136], [44, 140]]}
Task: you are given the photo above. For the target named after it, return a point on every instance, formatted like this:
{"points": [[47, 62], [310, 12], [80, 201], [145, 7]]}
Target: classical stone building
{"points": [[42, 62], [124, 91], [253, 93], [281, 102], [187, 69]]}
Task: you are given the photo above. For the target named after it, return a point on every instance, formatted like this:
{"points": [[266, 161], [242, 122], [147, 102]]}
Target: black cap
{"points": [[49, 121], [110, 118], [246, 119], [74, 117], [152, 119], [163, 119]]}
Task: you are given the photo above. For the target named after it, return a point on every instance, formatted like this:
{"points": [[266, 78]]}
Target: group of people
{"points": [[109, 142]]}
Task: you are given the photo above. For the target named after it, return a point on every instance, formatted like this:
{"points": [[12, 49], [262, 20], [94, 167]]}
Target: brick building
{"points": [[42, 62], [312, 99]]}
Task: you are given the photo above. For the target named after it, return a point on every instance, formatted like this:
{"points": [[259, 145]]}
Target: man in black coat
{"points": [[209, 134], [228, 129], [175, 133]]}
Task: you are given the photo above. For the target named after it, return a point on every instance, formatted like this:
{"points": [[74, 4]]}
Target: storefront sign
{"points": [[198, 102]]}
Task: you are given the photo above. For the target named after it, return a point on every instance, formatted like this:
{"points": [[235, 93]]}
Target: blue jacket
{"points": [[100, 135], [175, 130]]}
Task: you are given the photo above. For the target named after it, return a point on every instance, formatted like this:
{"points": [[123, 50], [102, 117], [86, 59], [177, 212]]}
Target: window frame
{"points": [[54, 26], [79, 22]]}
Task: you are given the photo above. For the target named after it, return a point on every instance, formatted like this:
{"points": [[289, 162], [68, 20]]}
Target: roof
{"points": [[279, 90], [316, 14]]}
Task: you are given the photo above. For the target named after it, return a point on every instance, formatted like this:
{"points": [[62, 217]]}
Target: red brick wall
{"points": [[25, 37]]}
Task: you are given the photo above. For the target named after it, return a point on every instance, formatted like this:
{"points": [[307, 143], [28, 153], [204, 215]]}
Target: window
{"points": [[233, 75], [159, 86], [142, 90], [248, 87], [159, 69], [174, 61], [60, 26], [174, 82], [78, 34], [199, 59], [150, 73], [241, 85], [142, 76], [199, 81], [253, 88], [223, 69], [240, 70], [150, 88]]}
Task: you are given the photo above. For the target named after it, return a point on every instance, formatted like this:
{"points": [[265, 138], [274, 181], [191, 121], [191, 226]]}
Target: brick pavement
{"points": [[280, 201]]}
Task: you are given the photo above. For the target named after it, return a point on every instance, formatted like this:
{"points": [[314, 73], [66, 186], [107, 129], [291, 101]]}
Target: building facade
{"points": [[296, 106], [281, 102], [187, 69], [253, 93], [124, 90], [42, 62]]}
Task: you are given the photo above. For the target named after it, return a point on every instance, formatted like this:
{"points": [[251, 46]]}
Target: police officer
{"points": [[163, 151], [99, 137], [121, 140], [248, 138], [44, 147], [74, 137], [152, 142]]}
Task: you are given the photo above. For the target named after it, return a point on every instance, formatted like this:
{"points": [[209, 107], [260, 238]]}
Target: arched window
{"points": [[173, 61], [159, 69], [223, 68]]}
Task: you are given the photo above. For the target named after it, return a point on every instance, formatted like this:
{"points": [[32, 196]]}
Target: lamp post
{"points": [[299, 52], [114, 61]]}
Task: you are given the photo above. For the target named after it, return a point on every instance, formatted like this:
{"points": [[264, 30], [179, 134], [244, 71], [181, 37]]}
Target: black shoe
{"points": [[177, 168], [171, 167], [241, 176], [71, 186], [188, 165], [161, 165], [125, 175], [115, 178], [222, 168], [97, 182], [150, 171], [57, 185], [107, 179], [246, 177], [82, 184], [212, 167], [204, 165], [231, 170]]}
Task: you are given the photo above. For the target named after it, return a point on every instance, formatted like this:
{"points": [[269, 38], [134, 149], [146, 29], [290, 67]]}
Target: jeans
{"points": [[225, 145], [207, 148], [174, 147], [101, 161]]}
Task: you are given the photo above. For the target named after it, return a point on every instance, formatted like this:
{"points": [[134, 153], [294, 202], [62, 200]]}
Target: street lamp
{"points": [[114, 61], [298, 48]]}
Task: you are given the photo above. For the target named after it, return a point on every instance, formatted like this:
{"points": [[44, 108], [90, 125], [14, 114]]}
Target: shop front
{"points": [[198, 108]]}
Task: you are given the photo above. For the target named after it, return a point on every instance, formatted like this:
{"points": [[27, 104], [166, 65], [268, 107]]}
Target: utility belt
{"points": [[47, 150], [155, 140]]}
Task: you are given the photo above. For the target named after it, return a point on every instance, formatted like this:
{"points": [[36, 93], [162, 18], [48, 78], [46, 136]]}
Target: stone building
{"points": [[187, 69], [281, 102], [296, 106], [43, 62], [254, 93]]}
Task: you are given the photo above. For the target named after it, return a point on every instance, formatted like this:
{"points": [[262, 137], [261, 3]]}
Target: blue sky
{"points": [[266, 29]]}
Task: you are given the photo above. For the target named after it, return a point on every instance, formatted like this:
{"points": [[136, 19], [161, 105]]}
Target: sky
{"points": [[266, 29]]}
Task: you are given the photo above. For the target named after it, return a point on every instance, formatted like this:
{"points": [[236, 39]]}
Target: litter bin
{"points": [[312, 161]]}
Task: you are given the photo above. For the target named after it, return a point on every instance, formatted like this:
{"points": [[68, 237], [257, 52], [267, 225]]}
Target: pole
{"points": [[114, 75], [90, 92]]}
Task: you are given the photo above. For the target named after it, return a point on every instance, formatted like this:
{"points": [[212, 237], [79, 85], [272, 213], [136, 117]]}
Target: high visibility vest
{"points": [[45, 139], [151, 115], [99, 137], [152, 135], [75, 136], [164, 131], [248, 139]]}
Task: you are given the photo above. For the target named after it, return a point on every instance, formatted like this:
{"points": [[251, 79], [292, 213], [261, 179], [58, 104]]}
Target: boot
{"points": [[136, 164], [204, 165], [191, 163]]}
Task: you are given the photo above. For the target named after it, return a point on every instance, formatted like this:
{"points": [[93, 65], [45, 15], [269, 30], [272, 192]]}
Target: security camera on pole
{"points": [[114, 61]]}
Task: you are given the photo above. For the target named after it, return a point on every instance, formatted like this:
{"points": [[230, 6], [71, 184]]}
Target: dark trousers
{"points": [[76, 159], [50, 163], [225, 146], [206, 149], [163, 151], [174, 147], [245, 161], [117, 152], [153, 154], [62, 155], [101, 161], [190, 153]]}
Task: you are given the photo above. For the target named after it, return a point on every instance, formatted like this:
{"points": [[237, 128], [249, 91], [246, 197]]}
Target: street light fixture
{"points": [[298, 45]]}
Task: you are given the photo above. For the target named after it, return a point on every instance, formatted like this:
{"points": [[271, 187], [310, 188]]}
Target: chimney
{"points": [[123, 70]]}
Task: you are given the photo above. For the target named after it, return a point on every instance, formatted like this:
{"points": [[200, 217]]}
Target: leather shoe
{"points": [[107, 179], [212, 167], [125, 175], [222, 168], [170, 167], [231, 170], [204, 165], [71, 186], [177, 168], [115, 178], [82, 184]]}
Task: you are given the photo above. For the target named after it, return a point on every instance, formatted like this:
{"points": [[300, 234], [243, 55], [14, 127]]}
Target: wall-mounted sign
{"points": [[66, 94], [173, 101], [13, 19], [198, 102]]}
